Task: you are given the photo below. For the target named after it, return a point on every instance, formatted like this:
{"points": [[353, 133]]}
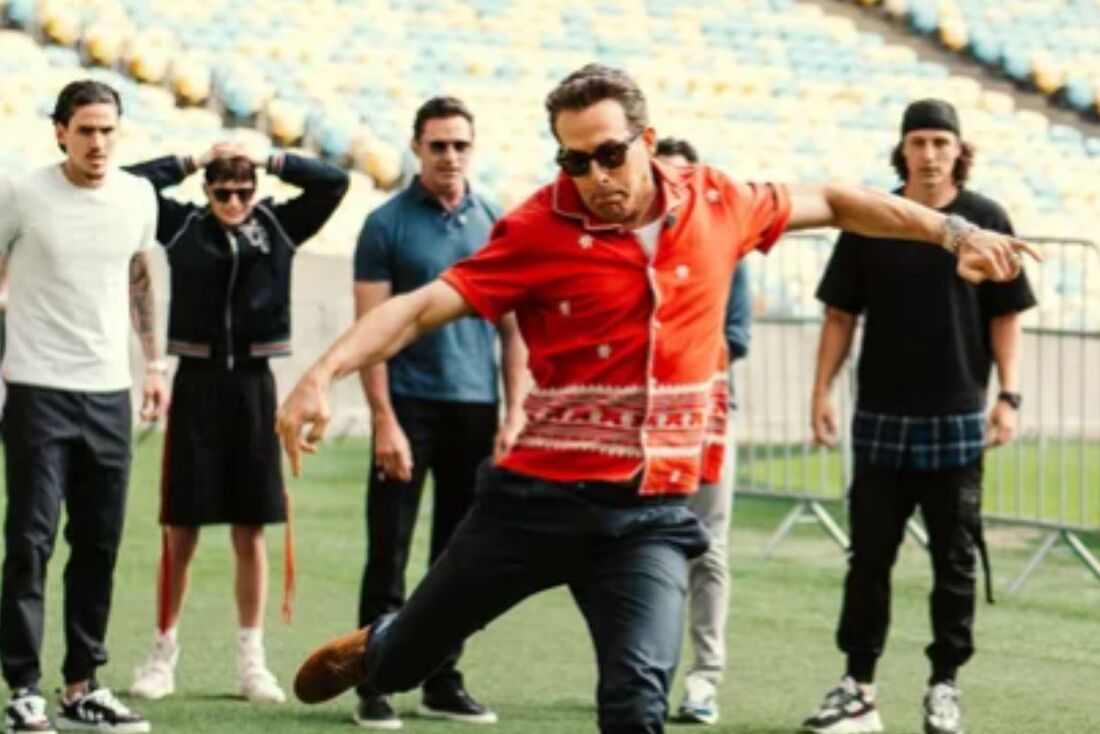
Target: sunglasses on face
{"points": [[222, 196], [439, 147], [609, 155]]}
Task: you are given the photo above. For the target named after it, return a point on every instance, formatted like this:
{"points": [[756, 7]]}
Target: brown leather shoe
{"points": [[333, 668]]}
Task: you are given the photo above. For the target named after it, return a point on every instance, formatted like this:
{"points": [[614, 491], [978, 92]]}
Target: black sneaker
{"points": [[26, 712], [98, 710], [375, 712], [454, 703], [846, 709]]}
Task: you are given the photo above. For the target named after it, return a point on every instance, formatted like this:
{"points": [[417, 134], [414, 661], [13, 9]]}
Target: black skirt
{"points": [[221, 459]]}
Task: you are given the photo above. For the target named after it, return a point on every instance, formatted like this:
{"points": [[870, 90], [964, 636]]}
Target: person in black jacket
{"points": [[230, 264]]}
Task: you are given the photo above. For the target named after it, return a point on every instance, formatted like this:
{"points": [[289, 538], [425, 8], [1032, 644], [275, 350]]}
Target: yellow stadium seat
{"points": [[191, 81], [896, 8], [61, 24], [104, 43], [286, 122], [1049, 76], [954, 34]]}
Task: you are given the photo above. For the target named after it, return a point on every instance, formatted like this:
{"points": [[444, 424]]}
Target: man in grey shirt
{"points": [[76, 235]]}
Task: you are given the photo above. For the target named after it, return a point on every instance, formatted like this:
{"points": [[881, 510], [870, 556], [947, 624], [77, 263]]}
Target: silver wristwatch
{"points": [[954, 230]]}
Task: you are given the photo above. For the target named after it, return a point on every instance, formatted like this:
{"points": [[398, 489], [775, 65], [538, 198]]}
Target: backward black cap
{"points": [[930, 114]]}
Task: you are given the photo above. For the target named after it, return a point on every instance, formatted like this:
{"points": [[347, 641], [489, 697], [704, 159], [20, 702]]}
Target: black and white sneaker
{"points": [[375, 712], [941, 709], [98, 710], [454, 703], [26, 712], [846, 709]]}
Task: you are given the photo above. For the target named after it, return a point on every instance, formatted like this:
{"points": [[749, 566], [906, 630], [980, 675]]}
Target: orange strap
{"points": [[163, 581], [288, 563]]}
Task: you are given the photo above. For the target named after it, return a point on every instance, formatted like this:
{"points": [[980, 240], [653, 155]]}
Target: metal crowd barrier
{"points": [[1049, 479]]}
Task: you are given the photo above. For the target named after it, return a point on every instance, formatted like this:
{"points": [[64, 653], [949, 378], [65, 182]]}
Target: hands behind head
{"points": [[986, 255], [227, 149]]}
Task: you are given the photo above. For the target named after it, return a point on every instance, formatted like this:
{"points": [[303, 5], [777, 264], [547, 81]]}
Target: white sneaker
{"points": [[257, 683], [700, 704], [98, 710], [941, 709], [26, 714], [846, 709], [156, 677]]}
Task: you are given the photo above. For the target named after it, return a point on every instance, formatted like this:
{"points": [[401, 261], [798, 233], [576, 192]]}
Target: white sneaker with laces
{"points": [[156, 677], [941, 709], [847, 709], [700, 704], [257, 683], [25, 713], [98, 710]]}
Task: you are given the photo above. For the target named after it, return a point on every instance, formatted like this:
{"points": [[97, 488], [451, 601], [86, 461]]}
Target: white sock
{"points": [[169, 635], [250, 637]]}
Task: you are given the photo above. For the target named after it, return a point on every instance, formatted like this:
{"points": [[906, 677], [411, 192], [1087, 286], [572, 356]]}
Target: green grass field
{"points": [[1036, 672]]}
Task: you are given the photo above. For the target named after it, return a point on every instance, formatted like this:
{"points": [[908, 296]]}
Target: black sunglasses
{"points": [[609, 155], [222, 196], [440, 146]]}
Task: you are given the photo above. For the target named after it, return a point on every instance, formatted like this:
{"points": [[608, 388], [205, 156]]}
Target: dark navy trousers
{"points": [[624, 559]]}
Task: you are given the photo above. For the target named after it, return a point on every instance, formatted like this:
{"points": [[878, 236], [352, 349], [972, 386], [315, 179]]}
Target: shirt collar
{"points": [[421, 194], [566, 201]]}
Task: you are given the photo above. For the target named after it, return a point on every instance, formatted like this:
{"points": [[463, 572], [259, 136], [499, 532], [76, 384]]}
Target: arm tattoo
{"points": [[142, 306]]}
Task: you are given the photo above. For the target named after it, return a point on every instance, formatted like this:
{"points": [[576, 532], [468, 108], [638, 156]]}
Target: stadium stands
{"points": [[1049, 46], [764, 88]]}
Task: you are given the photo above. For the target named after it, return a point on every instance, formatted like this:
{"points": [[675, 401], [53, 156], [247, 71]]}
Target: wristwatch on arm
{"points": [[1014, 399]]}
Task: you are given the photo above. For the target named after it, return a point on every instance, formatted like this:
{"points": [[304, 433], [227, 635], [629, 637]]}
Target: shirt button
{"points": [[585, 241], [656, 324], [604, 351], [682, 271], [564, 308], [674, 476], [713, 196]]}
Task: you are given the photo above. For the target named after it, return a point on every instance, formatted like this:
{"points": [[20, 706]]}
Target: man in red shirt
{"points": [[618, 273]]}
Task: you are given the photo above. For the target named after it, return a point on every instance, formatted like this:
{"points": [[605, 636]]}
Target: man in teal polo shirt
{"points": [[434, 404]]}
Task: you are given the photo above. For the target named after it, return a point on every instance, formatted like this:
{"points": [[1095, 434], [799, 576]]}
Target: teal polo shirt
{"points": [[408, 242]]}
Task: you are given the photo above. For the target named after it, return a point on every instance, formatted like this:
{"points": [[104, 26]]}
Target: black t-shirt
{"points": [[926, 340]]}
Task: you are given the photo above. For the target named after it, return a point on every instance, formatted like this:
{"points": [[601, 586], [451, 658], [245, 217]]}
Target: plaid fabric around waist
{"points": [[925, 443]]}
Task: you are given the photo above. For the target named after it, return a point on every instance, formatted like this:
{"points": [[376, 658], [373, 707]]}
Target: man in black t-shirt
{"points": [[930, 340]]}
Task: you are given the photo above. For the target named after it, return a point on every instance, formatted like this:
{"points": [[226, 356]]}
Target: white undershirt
{"points": [[70, 248], [647, 237]]}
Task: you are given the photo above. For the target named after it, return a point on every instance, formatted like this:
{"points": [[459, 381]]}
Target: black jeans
{"points": [[71, 446], [624, 560], [449, 439], [880, 504]]}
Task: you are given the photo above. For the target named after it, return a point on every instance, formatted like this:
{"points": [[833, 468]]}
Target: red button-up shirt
{"points": [[627, 351]]}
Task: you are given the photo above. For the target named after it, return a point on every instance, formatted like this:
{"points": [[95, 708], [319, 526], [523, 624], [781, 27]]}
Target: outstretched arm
{"points": [[983, 255], [375, 337]]}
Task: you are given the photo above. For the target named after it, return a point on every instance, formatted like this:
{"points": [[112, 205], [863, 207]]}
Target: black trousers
{"points": [[880, 504], [624, 560], [450, 439], [72, 446]]}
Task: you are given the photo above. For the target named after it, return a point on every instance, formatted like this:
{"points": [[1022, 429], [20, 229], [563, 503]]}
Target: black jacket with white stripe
{"points": [[230, 287]]}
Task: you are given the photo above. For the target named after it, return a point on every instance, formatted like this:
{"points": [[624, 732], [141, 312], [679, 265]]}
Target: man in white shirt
{"points": [[76, 235]]}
